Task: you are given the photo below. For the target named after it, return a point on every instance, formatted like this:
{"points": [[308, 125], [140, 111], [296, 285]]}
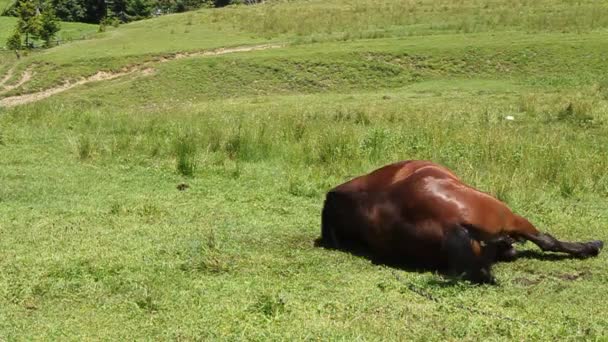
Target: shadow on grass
{"points": [[418, 266], [538, 255], [421, 266]]}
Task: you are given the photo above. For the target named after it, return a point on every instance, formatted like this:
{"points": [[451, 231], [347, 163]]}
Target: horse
{"points": [[421, 212]]}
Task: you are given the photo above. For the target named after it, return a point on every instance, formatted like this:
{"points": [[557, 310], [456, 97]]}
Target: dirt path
{"points": [[6, 77], [26, 76], [143, 69]]}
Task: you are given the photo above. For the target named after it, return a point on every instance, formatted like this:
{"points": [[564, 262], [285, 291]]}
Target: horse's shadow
{"points": [[420, 266], [357, 250], [544, 256]]}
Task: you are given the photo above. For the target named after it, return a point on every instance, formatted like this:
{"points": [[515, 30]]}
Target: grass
{"points": [[233, 255], [5, 4], [309, 22], [132, 43], [184, 204], [339, 20]]}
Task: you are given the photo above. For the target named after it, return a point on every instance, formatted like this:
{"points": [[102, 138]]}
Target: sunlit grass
{"points": [[237, 243]]}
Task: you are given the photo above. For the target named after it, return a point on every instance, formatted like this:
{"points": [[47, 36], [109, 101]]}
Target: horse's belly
{"points": [[419, 243]]}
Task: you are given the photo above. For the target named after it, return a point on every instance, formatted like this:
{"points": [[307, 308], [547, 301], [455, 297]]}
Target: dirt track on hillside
{"points": [[25, 77], [143, 69], [6, 77]]}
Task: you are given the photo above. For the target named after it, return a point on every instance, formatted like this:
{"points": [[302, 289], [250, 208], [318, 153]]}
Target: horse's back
{"points": [[432, 194], [383, 178]]}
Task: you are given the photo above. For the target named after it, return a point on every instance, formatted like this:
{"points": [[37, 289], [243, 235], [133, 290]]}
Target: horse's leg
{"points": [[466, 255], [328, 231], [329, 237], [548, 243], [504, 250]]}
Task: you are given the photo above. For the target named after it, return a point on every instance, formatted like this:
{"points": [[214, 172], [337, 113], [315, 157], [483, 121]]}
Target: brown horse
{"points": [[418, 211]]}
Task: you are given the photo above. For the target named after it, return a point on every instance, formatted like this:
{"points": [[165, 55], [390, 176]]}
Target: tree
{"points": [[95, 10], [28, 22], [69, 10], [49, 25], [14, 41], [139, 8], [34, 23]]}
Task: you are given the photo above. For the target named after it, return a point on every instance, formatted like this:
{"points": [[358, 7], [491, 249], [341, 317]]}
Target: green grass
{"points": [[184, 204], [5, 4], [313, 21], [110, 244], [132, 43], [7, 27], [347, 20]]}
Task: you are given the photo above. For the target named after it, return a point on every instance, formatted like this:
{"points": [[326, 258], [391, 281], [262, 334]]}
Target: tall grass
{"points": [[185, 154], [556, 141], [346, 20], [84, 147]]}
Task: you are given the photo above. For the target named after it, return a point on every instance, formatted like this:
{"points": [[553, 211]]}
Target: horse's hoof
{"points": [[482, 276], [507, 255], [597, 244], [594, 247]]}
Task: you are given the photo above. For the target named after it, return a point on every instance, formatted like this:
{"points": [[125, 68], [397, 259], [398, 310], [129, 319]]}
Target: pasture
{"points": [[182, 199]]}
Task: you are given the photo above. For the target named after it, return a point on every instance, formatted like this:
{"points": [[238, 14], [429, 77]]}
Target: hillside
{"points": [[140, 42], [164, 179]]}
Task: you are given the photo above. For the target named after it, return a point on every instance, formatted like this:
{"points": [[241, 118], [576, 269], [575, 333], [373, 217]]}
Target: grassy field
{"points": [[98, 242]]}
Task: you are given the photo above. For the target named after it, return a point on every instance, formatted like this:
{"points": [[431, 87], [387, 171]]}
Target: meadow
{"points": [[183, 202]]}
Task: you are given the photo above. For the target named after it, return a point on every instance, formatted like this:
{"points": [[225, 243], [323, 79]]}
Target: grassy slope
{"points": [[338, 20], [384, 63], [69, 31], [309, 21], [97, 242], [132, 43]]}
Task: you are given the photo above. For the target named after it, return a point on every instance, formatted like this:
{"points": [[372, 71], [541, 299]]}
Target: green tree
{"points": [[49, 25], [95, 10], [28, 21], [14, 41], [69, 10], [139, 8]]}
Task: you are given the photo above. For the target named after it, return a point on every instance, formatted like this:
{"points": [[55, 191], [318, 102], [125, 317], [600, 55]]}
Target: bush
{"points": [[185, 149], [14, 41], [49, 25]]}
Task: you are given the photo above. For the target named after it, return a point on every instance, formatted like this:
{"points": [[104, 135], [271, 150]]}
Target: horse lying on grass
{"points": [[418, 211]]}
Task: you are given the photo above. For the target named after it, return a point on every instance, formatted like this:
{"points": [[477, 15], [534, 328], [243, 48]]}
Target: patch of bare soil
{"points": [[572, 276], [526, 281]]}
